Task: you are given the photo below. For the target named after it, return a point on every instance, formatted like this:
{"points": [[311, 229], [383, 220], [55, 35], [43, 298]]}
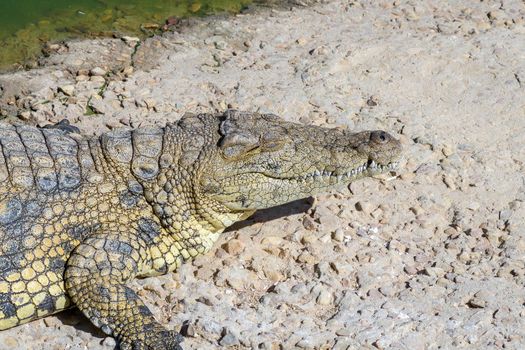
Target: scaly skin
{"points": [[80, 217]]}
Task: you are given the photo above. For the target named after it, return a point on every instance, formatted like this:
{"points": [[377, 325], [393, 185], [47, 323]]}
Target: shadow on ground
{"points": [[269, 214]]}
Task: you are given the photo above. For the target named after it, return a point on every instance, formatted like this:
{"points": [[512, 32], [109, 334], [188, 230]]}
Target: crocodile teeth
{"points": [[351, 173]]}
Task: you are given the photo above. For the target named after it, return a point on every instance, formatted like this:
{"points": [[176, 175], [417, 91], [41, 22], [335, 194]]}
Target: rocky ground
{"points": [[432, 258]]}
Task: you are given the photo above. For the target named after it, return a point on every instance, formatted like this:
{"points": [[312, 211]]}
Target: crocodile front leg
{"points": [[95, 279]]}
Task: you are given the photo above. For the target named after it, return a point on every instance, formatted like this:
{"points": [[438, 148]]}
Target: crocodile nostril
{"points": [[379, 136]]}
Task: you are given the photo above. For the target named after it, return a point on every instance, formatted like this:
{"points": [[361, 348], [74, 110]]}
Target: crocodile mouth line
{"points": [[369, 166]]}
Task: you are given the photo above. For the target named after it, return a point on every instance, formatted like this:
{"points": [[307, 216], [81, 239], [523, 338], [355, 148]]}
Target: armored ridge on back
{"points": [[82, 216]]}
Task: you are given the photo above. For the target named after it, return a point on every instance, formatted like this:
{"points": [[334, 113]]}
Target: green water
{"points": [[26, 25]]}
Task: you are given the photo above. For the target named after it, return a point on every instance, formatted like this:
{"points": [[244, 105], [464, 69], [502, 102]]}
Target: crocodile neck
{"points": [[185, 213]]}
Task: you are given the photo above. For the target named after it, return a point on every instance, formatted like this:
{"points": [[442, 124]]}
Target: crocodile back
{"points": [[41, 159], [57, 188], [137, 151]]}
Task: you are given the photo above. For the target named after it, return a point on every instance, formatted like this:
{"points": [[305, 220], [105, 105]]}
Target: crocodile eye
{"points": [[272, 146], [379, 137], [238, 150]]}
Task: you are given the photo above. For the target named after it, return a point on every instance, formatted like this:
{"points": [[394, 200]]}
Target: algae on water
{"points": [[26, 25]]}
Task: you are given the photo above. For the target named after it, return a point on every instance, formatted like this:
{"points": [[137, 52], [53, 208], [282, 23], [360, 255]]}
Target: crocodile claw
{"points": [[63, 125]]}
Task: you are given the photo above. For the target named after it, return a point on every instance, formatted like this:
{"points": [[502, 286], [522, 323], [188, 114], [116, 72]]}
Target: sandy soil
{"points": [[432, 259]]}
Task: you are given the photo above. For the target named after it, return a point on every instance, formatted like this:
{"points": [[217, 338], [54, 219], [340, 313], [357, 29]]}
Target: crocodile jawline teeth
{"points": [[370, 166]]}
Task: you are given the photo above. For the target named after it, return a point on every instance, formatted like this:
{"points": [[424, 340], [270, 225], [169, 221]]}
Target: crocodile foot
{"points": [[162, 340]]}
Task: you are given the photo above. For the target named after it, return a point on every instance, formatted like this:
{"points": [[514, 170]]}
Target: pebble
{"points": [[396, 245], [51, 322], [97, 79], [449, 181], [495, 15], [272, 240], [434, 272], [505, 214], [239, 278], [372, 101], [233, 247], [25, 115], [211, 326], [365, 207], [81, 78], [68, 90], [131, 40], [324, 298], [98, 105], [338, 235], [97, 72], [309, 239], [109, 342], [189, 331], [417, 210], [308, 223], [11, 342], [220, 45], [447, 150], [228, 339], [150, 103], [473, 206], [306, 258], [273, 274], [411, 270], [477, 302], [344, 332], [305, 343], [342, 344], [127, 71], [387, 291], [301, 41]]}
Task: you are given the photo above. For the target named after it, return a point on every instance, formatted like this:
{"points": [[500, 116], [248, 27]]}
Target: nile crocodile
{"points": [[81, 216]]}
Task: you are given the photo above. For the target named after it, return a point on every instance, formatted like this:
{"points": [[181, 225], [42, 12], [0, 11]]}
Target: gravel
{"points": [[431, 258]]}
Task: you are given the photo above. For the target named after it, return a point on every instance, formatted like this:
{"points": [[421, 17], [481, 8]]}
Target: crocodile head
{"points": [[262, 161]]}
